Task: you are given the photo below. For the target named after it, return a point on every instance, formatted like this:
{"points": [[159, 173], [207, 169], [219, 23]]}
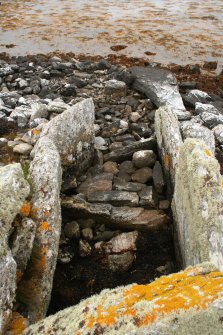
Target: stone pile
{"points": [[94, 122]]}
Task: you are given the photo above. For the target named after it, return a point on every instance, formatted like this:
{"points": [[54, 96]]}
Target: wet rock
{"points": [[196, 96], [144, 158], [208, 108], [218, 133], [115, 88], [211, 120], [23, 148], [110, 167], [146, 197], [210, 65], [72, 132], [87, 234], [22, 243], [158, 85], [72, 230], [99, 183], [84, 248], [127, 152], [142, 175], [14, 189], [158, 178], [195, 130], [116, 198], [35, 286], [169, 141], [198, 222]]}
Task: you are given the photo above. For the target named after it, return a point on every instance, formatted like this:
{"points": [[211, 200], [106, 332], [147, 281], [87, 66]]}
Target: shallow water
{"points": [[180, 31]]}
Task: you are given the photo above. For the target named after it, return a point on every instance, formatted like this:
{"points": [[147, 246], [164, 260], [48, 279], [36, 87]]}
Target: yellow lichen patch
{"points": [[207, 152], [44, 226], [25, 209], [35, 132], [222, 184], [181, 291], [17, 325], [166, 160]]}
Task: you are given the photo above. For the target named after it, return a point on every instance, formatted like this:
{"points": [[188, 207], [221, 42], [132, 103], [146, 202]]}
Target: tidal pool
{"points": [[180, 31]]}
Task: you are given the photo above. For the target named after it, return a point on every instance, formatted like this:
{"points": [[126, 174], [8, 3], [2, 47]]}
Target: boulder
{"points": [[191, 129], [169, 141], [72, 132], [34, 289], [208, 108], [144, 158], [197, 205], [188, 302], [14, 189], [160, 86]]}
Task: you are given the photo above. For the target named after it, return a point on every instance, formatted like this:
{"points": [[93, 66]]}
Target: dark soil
{"points": [[84, 277]]}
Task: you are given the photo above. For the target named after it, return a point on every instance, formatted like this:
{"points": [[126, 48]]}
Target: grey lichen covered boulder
{"points": [[198, 205], [45, 173], [160, 86], [185, 303], [72, 132], [169, 141], [14, 189], [191, 129]]}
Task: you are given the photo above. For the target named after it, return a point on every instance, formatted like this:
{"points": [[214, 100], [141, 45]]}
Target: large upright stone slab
{"points": [[34, 290], [160, 86], [72, 132], [186, 303], [169, 141], [198, 205], [13, 191]]}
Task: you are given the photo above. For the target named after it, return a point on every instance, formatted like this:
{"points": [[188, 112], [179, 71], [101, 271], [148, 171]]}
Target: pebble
{"points": [[143, 175], [72, 230], [144, 158], [23, 148]]}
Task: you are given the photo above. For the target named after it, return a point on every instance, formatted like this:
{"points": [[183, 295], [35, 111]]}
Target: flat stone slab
{"points": [[127, 152], [116, 198], [129, 218], [160, 86], [188, 302], [197, 205], [99, 183], [34, 290]]}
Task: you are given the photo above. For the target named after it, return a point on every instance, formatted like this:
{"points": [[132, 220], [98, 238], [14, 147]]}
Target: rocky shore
{"points": [[93, 154]]}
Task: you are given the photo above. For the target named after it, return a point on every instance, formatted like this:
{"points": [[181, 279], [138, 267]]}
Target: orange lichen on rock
{"points": [[180, 291], [44, 226], [166, 161], [17, 325], [25, 209], [35, 132]]}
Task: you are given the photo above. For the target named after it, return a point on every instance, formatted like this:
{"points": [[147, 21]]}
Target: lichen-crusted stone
{"points": [[13, 191], [164, 306], [191, 129], [45, 173], [23, 243], [72, 132], [198, 205], [169, 141], [160, 86]]}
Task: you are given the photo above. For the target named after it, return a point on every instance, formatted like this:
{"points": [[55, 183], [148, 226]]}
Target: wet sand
{"points": [[164, 31]]}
